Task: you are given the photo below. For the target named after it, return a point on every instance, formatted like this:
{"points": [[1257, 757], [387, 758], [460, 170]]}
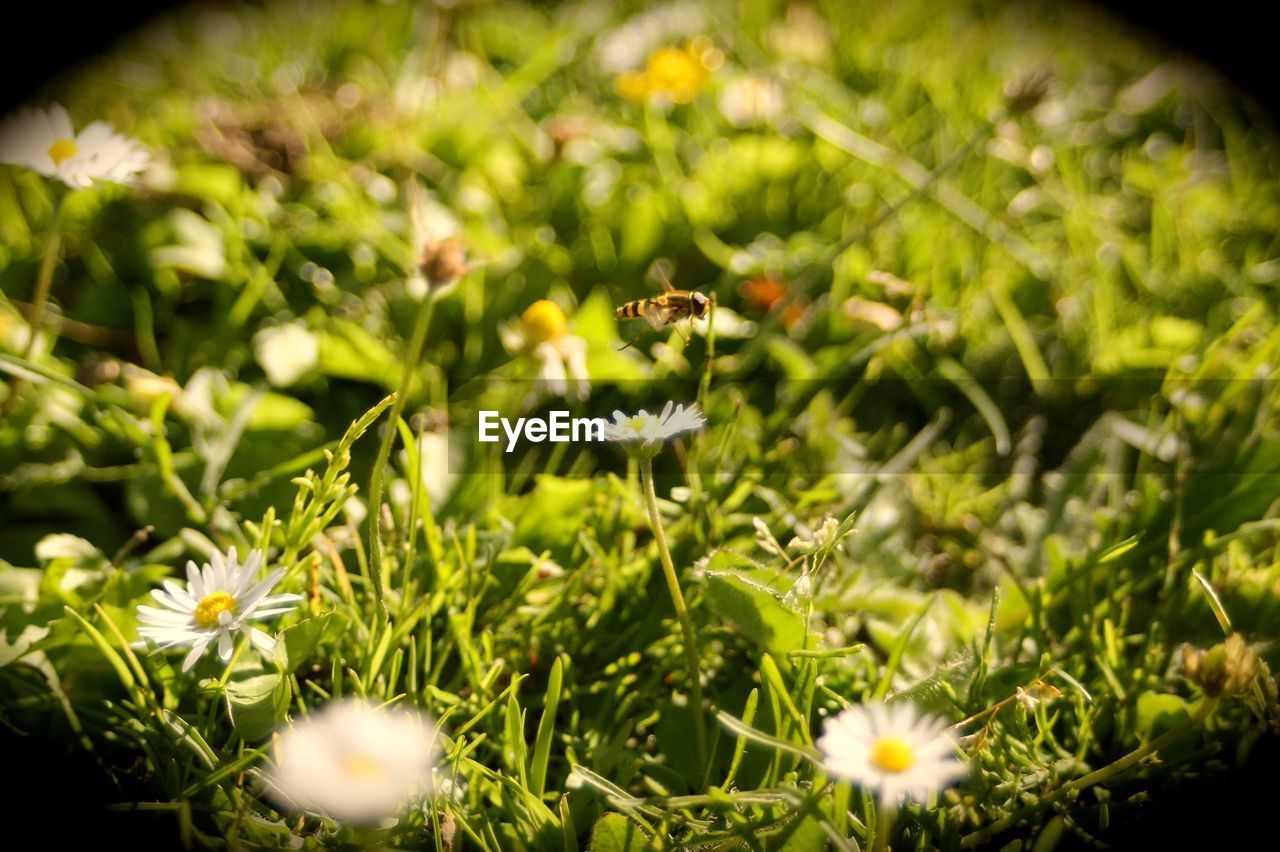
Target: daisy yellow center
{"points": [[892, 754], [62, 150], [638, 423], [362, 766], [213, 605], [543, 321]]}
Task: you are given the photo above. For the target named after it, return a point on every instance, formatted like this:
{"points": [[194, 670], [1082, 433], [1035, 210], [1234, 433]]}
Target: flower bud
{"points": [[1227, 668], [443, 263]]}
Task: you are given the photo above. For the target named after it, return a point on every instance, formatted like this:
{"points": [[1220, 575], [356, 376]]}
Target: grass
{"points": [[1021, 353]]}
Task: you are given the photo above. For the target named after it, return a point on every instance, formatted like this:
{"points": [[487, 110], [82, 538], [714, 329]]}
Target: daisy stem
{"points": [[884, 822], [412, 355], [1098, 776], [39, 299], [44, 281], [677, 601]]}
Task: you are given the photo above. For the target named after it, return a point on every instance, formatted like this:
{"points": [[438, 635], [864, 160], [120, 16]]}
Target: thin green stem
{"points": [[44, 281], [884, 822], [1098, 776], [39, 299], [412, 355], [677, 601], [704, 383]]}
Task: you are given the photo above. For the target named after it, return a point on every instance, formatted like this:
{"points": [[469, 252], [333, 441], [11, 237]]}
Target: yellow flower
{"points": [[543, 333], [675, 74], [543, 321]]}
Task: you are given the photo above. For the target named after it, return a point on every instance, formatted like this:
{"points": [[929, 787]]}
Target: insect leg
{"points": [[632, 343]]}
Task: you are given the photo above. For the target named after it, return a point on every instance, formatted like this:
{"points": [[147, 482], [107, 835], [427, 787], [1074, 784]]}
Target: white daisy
{"points": [[651, 430], [894, 751], [354, 762], [45, 142], [219, 600], [543, 333]]}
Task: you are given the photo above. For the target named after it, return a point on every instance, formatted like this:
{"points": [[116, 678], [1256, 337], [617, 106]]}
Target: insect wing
{"points": [[657, 313]]}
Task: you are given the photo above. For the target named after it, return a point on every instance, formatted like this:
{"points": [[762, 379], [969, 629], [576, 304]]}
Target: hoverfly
{"points": [[671, 307]]}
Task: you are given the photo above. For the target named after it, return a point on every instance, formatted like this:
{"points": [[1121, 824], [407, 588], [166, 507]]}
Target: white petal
{"points": [[251, 598], [197, 650], [224, 645], [261, 613], [180, 595], [195, 583], [60, 123], [263, 642]]}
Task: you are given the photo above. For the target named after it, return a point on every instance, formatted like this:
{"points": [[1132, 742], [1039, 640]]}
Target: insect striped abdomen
{"points": [[631, 310]]}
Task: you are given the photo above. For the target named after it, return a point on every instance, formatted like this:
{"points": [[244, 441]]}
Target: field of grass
{"points": [[991, 419]]}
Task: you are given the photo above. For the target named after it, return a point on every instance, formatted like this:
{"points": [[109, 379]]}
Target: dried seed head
{"points": [[1227, 668], [1024, 93], [443, 263]]}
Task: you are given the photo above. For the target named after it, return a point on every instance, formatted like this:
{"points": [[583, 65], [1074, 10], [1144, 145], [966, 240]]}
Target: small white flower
{"points": [[751, 100], [827, 535], [651, 429], [45, 142], [892, 750], [765, 539], [286, 353], [354, 762], [219, 600]]}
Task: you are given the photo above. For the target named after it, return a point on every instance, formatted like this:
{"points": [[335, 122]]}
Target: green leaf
{"points": [[296, 642], [745, 599], [803, 834], [899, 648], [616, 833], [257, 704], [1158, 712], [347, 351], [546, 729], [64, 546], [790, 358], [552, 514], [218, 182], [273, 413], [642, 227], [72, 567]]}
